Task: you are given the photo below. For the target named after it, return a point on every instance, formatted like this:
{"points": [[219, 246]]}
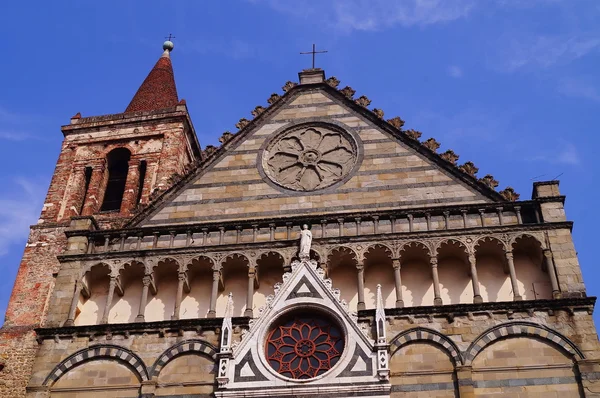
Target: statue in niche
{"points": [[305, 242]]}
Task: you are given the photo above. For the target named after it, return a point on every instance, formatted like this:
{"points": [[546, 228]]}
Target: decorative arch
{"points": [[199, 258], [415, 244], [514, 239], [341, 248], [451, 242], [488, 239], [267, 253], [101, 351], [235, 255], [200, 347], [88, 267], [420, 334], [519, 329], [382, 246]]}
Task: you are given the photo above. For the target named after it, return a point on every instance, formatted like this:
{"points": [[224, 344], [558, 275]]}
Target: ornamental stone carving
{"points": [[413, 134], [396, 122], [310, 157], [450, 156]]}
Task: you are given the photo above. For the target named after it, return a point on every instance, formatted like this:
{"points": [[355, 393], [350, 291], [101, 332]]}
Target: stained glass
{"points": [[304, 346]]}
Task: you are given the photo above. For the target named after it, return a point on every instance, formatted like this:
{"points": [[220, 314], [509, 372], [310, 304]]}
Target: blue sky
{"points": [[511, 85]]}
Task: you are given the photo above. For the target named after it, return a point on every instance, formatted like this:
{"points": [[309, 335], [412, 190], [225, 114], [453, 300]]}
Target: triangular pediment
{"points": [[315, 151], [304, 291]]}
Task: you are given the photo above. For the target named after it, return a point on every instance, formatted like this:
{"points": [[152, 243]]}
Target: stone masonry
{"points": [[422, 279]]}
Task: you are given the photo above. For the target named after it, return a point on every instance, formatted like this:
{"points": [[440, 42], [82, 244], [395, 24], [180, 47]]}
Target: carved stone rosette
{"points": [[310, 157]]}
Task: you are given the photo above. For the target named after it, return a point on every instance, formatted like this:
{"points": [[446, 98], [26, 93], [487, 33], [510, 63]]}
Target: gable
{"points": [[388, 171]]}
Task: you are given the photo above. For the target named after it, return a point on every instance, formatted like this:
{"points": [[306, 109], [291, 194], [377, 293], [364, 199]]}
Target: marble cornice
{"points": [[275, 244]]}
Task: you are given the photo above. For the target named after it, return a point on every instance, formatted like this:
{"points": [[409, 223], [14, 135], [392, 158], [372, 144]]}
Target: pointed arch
{"points": [[420, 334], [520, 329], [197, 346], [102, 351]]}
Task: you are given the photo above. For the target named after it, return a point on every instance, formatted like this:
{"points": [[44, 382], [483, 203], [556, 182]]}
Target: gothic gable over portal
{"points": [[317, 149], [304, 342]]}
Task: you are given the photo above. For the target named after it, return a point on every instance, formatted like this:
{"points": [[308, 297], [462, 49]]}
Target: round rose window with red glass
{"points": [[304, 346]]}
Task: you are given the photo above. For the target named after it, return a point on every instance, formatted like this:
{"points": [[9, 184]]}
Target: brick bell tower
{"points": [[109, 168]]}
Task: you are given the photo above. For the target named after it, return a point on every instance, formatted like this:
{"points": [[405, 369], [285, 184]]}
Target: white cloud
{"points": [[523, 52], [20, 205], [563, 153], [569, 155], [369, 15], [578, 88], [13, 136], [455, 71]]}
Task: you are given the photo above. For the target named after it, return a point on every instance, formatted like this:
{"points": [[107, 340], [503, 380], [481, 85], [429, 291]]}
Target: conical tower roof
{"points": [[158, 90]]}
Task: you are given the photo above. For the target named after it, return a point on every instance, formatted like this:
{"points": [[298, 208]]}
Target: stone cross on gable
{"points": [[313, 52]]}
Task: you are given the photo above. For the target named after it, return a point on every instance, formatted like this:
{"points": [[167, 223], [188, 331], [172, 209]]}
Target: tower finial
{"points": [[168, 45]]}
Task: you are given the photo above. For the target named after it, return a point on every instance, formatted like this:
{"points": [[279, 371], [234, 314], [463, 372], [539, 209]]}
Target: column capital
{"points": [[396, 263], [182, 275], [433, 261], [134, 161], [472, 258], [509, 254], [547, 253], [251, 271], [147, 280]]}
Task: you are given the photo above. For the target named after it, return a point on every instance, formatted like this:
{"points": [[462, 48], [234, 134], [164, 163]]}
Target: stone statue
{"points": [[305, 241]]}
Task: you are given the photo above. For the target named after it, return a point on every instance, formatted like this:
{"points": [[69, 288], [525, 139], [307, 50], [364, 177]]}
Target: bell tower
{"points": [[111, 165]]}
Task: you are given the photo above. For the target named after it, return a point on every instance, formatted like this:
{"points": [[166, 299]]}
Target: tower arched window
{"points": [[118, 165]]}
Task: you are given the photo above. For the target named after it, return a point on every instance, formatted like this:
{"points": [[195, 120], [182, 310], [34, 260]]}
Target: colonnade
{"points": [[336, 256]]}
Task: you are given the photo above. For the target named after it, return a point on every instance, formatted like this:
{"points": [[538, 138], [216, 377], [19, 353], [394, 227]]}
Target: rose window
{"points": [[310, 158], [304, 346]]}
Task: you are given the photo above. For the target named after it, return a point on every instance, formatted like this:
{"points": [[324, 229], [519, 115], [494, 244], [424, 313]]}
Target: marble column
{"points": [[212, 312], [513, 275], [398, 282], [549, 261], [180, 281], [146, 281], [437, 300], [474, 279], [361, 287], [71, 317], [250, 294], [109, 299]]}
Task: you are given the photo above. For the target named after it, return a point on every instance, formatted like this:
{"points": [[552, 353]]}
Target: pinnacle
{"points": [[158, 90]]}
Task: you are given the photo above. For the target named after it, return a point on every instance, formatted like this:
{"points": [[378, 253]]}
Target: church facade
{"points": [[321, 250]]}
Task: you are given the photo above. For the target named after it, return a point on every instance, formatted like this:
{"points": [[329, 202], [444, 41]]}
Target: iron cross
{"points": [[313, 52], [170, 37]]}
